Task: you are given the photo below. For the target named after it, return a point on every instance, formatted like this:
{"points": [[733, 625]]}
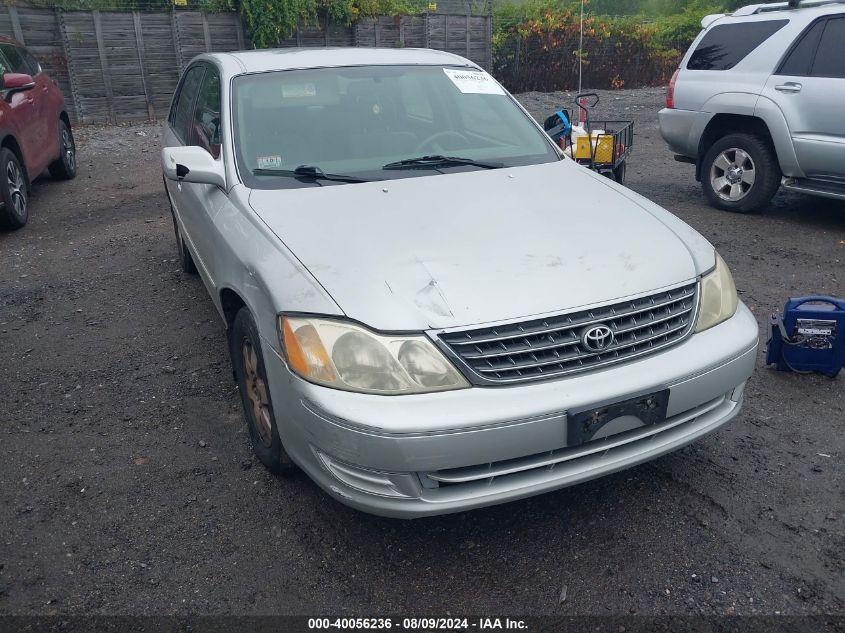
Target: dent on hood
{"points": [[431, 299]]}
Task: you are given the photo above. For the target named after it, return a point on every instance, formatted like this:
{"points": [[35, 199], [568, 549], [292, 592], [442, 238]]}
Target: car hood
{"points": [[481, 246]]}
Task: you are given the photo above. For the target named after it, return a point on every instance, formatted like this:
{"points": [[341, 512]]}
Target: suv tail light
{"points": [[670, 93]]}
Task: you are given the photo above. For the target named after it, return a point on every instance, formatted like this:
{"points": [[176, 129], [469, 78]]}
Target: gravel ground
{"points": [[127, 485]]}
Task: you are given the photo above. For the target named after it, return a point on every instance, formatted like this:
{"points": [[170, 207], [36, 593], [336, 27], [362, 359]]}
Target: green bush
{"points": [[127, 5], [270, 21], [536, 45]]}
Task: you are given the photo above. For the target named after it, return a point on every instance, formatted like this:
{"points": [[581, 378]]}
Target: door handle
{"points": [[789, 87]]}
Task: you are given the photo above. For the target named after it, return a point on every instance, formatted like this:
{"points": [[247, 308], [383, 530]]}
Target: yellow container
{"points": [[583, 148], [604, 149], [603, 145]]}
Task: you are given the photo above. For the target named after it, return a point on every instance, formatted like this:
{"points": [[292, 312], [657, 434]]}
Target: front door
{"points": [[23, 113]]}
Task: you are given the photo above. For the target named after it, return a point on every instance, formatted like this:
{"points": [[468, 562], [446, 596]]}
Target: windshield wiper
{"points": [[438, 160], [307, 171]]}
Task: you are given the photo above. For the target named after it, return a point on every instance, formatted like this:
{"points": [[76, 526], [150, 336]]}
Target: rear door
{"points": [[48, 104], [809, 88]]}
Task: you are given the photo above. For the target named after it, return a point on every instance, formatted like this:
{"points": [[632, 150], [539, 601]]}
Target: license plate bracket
{"points": [[584, 424]]}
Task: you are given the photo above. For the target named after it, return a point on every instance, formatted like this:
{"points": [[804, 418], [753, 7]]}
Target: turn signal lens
{"points": [[348, 356], [306, 353]]}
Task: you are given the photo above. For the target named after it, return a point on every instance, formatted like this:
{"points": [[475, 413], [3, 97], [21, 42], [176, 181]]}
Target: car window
{"points": [[830, 61], [799, 61], [206, 120], [34, 66], [17, 64], [183, 106], [725, 45], [355, 120]]}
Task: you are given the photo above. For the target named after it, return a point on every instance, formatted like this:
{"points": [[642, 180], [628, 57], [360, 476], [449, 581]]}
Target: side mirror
{"points": [[16, 82], [192, 164]]}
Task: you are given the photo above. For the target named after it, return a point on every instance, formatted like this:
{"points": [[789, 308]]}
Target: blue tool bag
{"points": [[558, 126], [809, 337]]}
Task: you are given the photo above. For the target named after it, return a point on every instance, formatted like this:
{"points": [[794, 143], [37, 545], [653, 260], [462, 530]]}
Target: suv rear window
{"points": [[725, 45]]}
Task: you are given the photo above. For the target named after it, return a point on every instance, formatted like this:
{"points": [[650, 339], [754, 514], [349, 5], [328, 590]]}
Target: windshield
{"points": [[354, 122]]}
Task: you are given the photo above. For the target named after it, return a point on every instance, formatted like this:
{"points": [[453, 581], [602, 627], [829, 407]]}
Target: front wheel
{"points": [[740, 173], [13, 191], [251, 376], [64, 167]]}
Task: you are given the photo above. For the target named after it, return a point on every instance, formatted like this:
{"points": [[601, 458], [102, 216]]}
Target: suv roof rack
{"points": [[753, 9]]}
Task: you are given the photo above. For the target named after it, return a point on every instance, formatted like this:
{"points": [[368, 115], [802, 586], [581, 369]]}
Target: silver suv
{"points": [[758, 103]]}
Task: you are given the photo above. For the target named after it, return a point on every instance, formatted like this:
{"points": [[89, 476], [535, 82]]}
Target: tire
{"points": [[619, 173], [186, 260], [747, 169], [248, 363], [64, 167], [14, 191]]}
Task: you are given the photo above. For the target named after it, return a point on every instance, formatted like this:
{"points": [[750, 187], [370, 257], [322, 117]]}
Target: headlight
{"points": [[718, 297], [347, 356]]}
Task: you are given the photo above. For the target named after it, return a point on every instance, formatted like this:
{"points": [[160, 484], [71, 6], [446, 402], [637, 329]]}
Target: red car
{"points": [[35, 131]]}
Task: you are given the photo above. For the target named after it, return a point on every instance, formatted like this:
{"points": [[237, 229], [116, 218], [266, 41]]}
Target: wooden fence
{"points": [[123, 66], [119, 66], [467, 35]]}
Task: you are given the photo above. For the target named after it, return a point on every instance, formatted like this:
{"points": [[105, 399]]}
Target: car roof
{"points": [[776, 11], [264, 60], [755, 9]]}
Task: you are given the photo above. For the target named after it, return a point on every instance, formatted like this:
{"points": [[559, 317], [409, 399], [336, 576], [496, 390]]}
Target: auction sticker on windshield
{"points": [[474, 82]]}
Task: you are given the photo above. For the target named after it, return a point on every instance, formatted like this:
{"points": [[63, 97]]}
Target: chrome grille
{"points": [[553, 346]]}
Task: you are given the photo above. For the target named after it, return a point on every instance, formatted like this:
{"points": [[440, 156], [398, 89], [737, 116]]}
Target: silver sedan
{"points": [[429, 308]]}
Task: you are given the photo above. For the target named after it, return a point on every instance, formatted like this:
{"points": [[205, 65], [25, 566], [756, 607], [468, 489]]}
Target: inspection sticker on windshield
{"points": [[298, 91], [475, 82], [269, 162]]}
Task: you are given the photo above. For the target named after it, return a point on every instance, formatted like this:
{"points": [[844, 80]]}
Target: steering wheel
{"points": [[432, 142]]}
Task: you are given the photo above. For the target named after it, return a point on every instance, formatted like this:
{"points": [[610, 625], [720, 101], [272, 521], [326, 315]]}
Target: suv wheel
{"points": [[740, 173], [13, 191], [64, 167], [248, 363]]}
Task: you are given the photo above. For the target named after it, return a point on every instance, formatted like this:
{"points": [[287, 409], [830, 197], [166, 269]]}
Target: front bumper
{"points": [[420, 455]]}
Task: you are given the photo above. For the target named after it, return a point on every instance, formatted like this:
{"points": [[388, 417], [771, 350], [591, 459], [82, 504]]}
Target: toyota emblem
{"points": [[597, 338]]}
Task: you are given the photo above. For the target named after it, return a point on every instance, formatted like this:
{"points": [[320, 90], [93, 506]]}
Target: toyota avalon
{"points": [[429, 307]]}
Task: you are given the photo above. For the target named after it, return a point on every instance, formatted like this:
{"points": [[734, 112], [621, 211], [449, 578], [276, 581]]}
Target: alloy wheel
{"points": [[69, 148], [17, 187], [256, 391], [732, 174]]}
